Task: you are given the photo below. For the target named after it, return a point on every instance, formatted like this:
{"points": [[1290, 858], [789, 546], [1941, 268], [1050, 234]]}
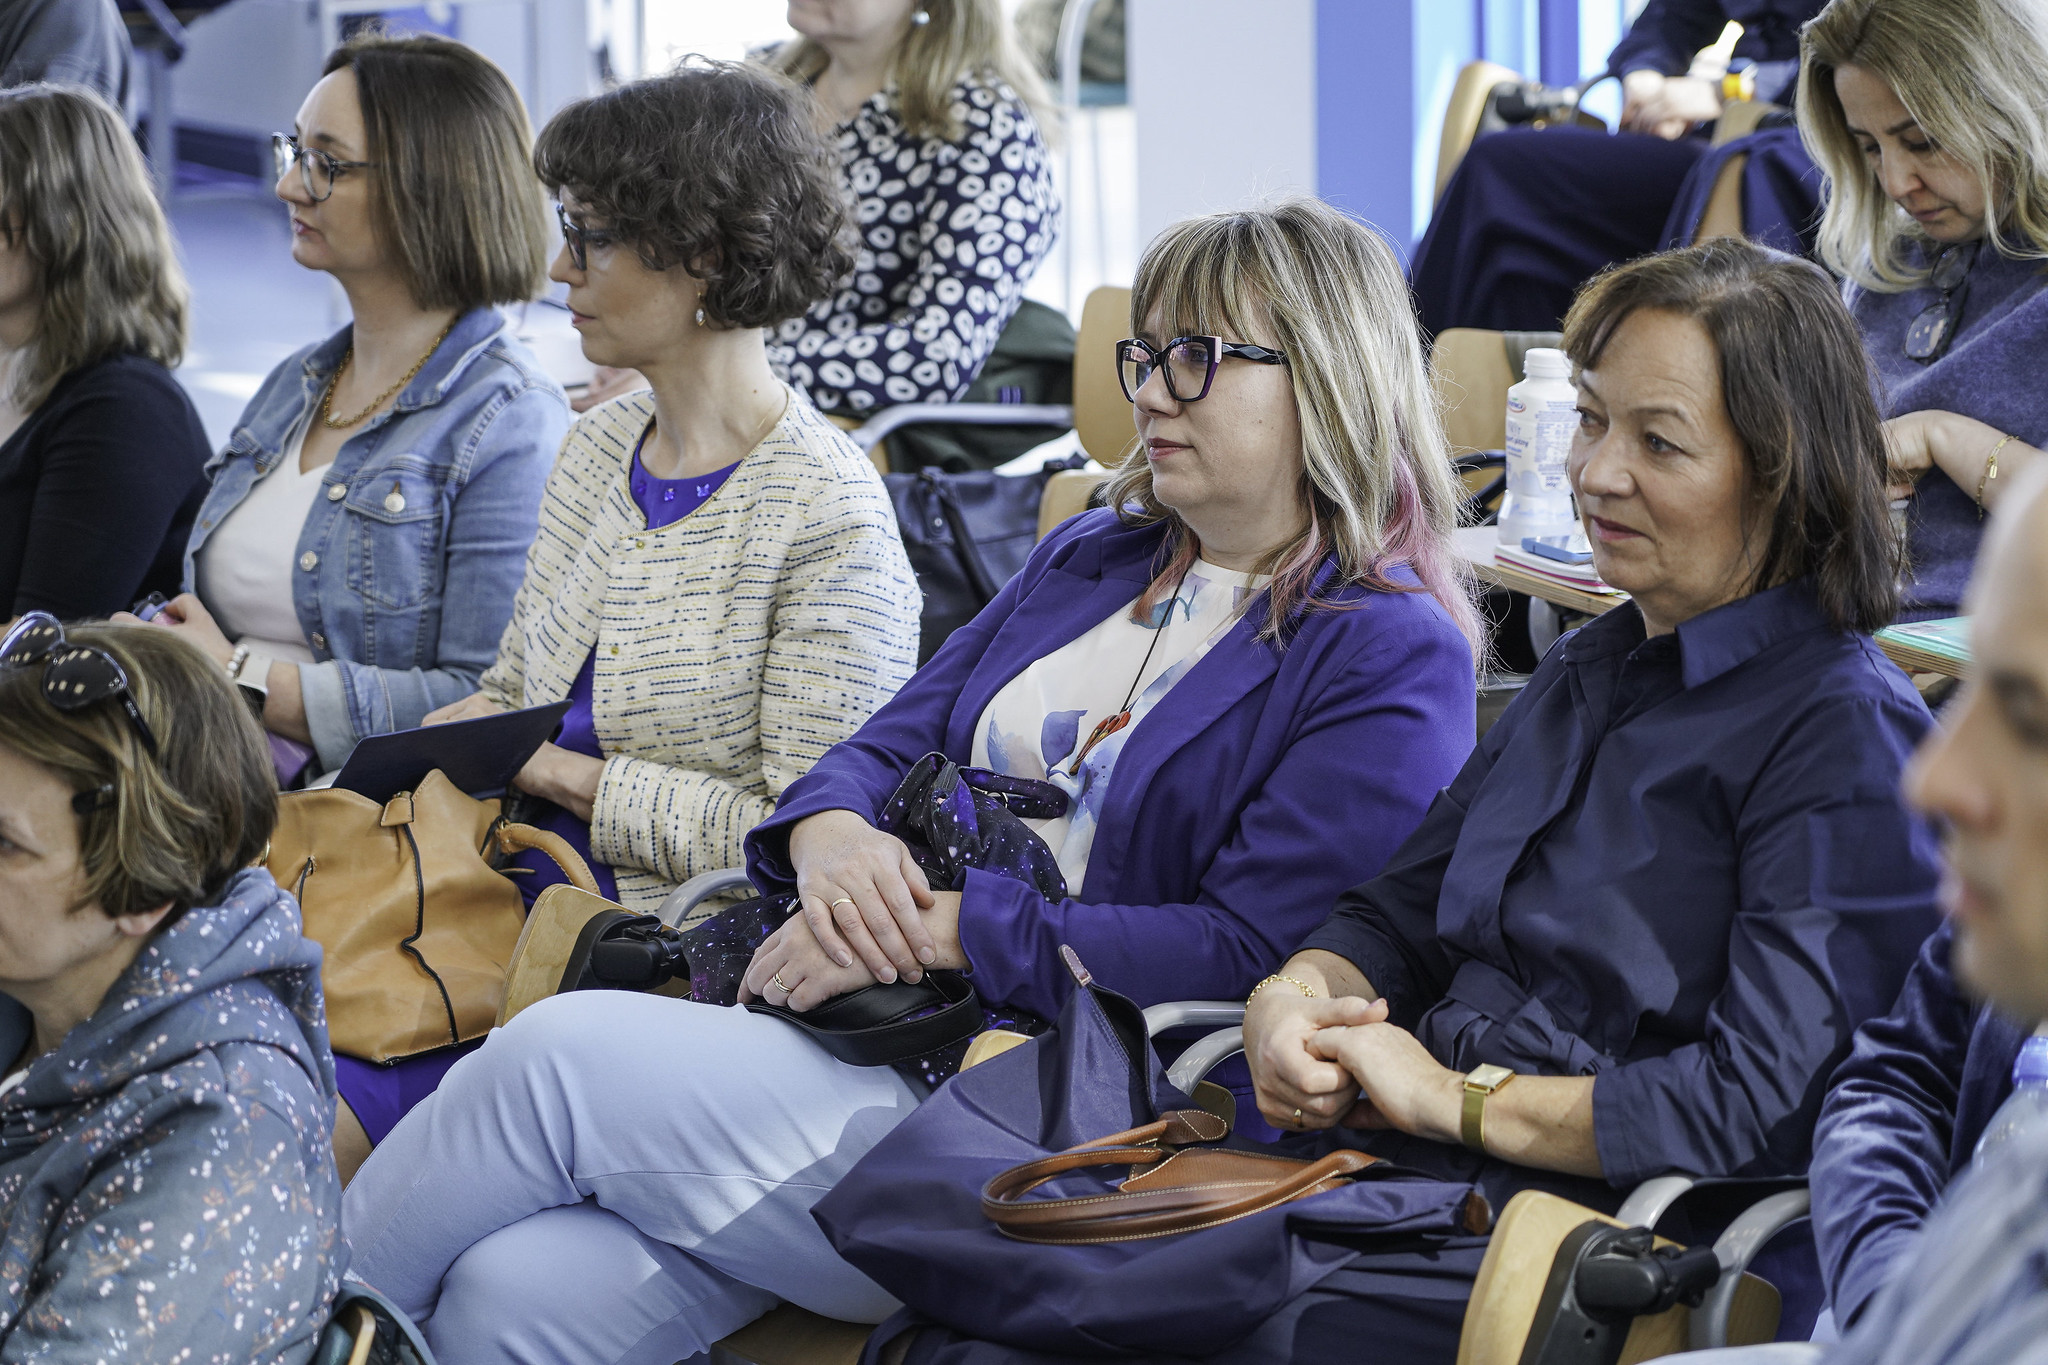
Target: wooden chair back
{"points": [[1518, 1258], [1102, 415], [1461, 116], [1739, 118], [1723, 215]]}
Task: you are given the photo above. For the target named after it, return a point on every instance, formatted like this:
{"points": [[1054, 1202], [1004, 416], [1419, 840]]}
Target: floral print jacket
{"points": [[167, 1185], [951, 232]]}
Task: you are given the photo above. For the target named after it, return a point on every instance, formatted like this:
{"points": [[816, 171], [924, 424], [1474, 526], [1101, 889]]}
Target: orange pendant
{"points": [[1104, 728]]}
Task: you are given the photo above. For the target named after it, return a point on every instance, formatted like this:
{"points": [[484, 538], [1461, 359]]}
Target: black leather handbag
{"points": [[966, 535]]}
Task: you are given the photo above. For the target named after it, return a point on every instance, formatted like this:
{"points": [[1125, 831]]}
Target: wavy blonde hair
{"points": [[75, 195], [961, 38], [1974, 75], [1376, 475]]}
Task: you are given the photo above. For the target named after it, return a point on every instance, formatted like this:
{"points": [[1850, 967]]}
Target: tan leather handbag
{"points": [[416, 925]]}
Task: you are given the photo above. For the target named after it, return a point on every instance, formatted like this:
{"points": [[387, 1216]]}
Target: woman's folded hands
{"points": [[868, 915]]}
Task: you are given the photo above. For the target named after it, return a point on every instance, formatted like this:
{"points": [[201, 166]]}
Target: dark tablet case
{"points": [[480, 756]]}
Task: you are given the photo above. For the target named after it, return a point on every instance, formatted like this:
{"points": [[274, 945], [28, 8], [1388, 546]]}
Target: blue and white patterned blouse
{"points": [[951, 232]]}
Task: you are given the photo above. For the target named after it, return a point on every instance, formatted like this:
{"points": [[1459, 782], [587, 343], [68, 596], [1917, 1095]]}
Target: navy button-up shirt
{"points": [[1679, 865]]}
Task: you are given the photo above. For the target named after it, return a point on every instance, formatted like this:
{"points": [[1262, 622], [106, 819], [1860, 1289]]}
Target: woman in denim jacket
{"points": [[369, 518]]}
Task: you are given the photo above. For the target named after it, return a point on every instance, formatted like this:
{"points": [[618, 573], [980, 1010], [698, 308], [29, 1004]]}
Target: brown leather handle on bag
{"points": [[514, 837], [1218, 1187]]}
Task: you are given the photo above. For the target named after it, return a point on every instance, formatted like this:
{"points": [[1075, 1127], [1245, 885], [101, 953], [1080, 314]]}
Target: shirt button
{"points": [[319, 640], [309, 561], [639, 544], [615, 649], [336, 492]]}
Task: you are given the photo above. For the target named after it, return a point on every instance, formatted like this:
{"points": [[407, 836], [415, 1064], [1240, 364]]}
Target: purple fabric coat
{"points": [[1267, 782]]}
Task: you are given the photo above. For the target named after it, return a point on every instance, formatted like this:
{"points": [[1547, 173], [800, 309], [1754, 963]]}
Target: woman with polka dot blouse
{"points": [[934, 116]]}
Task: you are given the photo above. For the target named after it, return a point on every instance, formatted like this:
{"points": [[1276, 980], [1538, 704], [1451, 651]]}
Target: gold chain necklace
{"points": [[327, 417]]}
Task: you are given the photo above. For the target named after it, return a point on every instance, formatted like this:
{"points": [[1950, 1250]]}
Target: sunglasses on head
{"points": [[74, 677]]}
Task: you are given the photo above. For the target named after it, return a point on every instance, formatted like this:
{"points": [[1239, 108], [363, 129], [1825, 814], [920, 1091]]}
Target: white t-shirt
{"points": [[1036, 725], [246, 568]]}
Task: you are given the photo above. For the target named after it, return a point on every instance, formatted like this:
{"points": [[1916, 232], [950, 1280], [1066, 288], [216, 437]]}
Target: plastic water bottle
{"points": [[1542, 415], [2027, 1106]]}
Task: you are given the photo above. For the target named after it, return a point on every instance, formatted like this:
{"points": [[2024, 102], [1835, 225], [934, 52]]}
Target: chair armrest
{"points": [[871, 433], [1192, 1014], [1737, 1247], [1200, 1059], [1648, 1202], [700, 888]]}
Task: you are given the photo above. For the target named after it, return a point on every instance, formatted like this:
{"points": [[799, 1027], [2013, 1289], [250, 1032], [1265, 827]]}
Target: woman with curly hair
{"points": [[717, 588]]}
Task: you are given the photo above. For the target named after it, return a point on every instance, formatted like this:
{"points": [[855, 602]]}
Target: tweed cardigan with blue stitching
{"points": [[733, 647]]}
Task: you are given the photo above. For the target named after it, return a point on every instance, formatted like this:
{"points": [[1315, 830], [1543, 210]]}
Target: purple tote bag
{"points": [[909, 1213]]}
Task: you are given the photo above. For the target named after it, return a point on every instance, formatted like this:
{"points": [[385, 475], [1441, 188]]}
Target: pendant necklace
{"points": [[1109, 725]]}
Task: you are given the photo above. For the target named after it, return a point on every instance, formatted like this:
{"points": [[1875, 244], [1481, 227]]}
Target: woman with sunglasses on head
{"points": [[167, 1190], [934, 116], [1930, 118], [101, 452], [1248, 680], [355, 560]]}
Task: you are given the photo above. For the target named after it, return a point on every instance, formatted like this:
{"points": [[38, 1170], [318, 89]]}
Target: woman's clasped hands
{"points": [[867, 915], [1319, 1063]]}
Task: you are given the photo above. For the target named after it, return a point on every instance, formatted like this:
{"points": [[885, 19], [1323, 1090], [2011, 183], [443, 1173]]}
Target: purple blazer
{"points": [[1263, 785]]}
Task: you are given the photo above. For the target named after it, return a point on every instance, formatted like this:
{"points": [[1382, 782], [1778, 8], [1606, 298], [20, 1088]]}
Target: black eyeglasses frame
{"points": [[580, 239], [38, 638], [1933, 328], [1218, 349], [286, 151]]}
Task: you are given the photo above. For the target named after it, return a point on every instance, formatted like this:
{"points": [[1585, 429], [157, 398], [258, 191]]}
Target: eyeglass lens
{"points": [[316, 168], [1189, 363], [572, 237], [32, 637]]}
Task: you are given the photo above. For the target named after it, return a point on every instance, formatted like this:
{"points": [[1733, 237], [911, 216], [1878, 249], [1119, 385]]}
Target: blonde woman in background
{"points": [[1930, 120], [935, 118], [101, 453], [622, 1177]]}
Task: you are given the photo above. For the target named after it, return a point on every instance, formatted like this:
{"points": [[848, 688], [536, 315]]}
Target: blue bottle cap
{"points": [[2031, 1066]]}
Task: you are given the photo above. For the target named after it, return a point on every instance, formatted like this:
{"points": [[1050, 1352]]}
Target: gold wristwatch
{"points": [[1480, 1082]]}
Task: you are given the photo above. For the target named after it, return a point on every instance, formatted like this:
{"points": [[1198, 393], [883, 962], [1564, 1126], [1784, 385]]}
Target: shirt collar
{"points": [[1714, 642]]}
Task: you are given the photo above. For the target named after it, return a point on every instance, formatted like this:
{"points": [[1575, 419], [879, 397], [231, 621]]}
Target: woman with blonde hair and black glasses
{"points": [[1248, 681], [1930, 120], [936, 120], [101, 453]]}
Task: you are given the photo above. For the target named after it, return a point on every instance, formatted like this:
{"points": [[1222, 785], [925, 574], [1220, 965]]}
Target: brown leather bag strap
{"points": [[514, 837], [1128, 1215]]}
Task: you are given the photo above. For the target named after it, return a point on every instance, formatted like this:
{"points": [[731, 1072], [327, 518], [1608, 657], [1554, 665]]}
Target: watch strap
{"points": [[1480, 1083]]}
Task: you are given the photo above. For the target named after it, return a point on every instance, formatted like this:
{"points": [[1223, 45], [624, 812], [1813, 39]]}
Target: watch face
{"points": [[1488, 1077]]}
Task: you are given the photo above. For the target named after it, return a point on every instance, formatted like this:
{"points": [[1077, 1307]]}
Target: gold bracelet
{"points": [[1990, 473], [1302, 986]]}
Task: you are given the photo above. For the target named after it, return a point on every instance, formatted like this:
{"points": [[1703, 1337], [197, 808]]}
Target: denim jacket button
{"points": [[394, 502], [309, 561], [336, 492], [319, 640]]}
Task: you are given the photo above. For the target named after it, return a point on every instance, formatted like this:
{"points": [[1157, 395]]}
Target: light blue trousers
{"points": [[620, 1179]]}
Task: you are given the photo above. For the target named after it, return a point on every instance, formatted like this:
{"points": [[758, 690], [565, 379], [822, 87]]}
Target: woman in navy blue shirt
{"points": [[1645, 919]]}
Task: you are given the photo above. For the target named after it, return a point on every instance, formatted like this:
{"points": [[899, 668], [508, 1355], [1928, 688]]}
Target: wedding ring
{"points": [[843, 900], [787, 992]]}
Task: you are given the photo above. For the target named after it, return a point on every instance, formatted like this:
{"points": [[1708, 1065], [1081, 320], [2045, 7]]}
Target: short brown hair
{"points": [[452, 192], [714, 167], [179, 825], [74, 193], [1799, 392]]}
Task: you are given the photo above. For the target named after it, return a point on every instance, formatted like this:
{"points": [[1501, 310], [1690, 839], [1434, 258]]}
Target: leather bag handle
{"points": [[512, 837], [1131, 1214]]}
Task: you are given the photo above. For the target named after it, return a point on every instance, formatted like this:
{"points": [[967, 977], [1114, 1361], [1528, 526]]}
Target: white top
{"points": [[1044, 716], [245, 570]]}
